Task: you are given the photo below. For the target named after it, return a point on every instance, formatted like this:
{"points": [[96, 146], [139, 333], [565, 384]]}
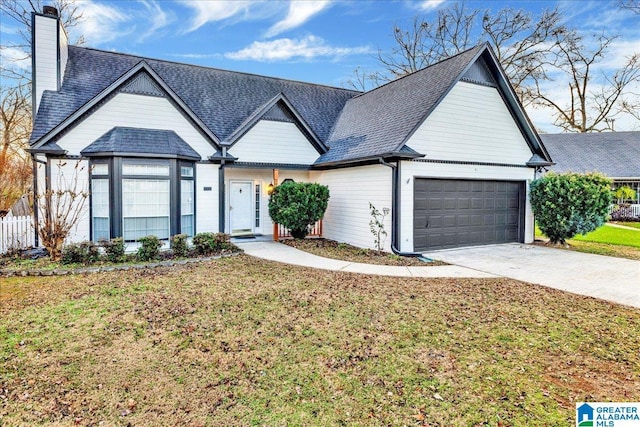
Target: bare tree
{"points": [[632, 5], [60, 207], [592, 107], [533, 51], [15, 122], [20, 11], [15, 92], [519, 40]]}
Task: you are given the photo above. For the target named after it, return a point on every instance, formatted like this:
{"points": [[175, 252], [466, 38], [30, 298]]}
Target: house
{"points": [[614, 154], [171, 148]]}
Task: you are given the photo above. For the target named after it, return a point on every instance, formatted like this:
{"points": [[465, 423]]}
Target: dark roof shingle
{"points": [[141, 141], [615, 154], [221, 99], [379, 121]]}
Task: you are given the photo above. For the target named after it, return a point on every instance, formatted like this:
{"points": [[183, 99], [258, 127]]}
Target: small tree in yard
{"points": [[376, 225], [297, 205], [570, 204], [625, 193], [60, 207]]}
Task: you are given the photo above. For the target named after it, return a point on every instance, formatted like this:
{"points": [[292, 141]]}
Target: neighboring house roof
{"points": [[221, 99], [136, 141], [615, 154]]}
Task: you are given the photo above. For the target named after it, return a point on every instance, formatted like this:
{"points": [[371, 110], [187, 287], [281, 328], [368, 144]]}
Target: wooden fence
{"points": [[314, 231], [16, 232]]}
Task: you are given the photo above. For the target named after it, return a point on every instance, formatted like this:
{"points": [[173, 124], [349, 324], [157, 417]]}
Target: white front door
{"points": [[241, 207]]}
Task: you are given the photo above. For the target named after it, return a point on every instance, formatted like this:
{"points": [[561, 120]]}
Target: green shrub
{"points": [[297, 205], [179, 245], [208, 243], [80, 253], [149, 248], [114, 249], [568, 204]]}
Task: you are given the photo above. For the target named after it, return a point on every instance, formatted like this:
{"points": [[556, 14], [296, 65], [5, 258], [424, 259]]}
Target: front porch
{"points": [[245, 200]]}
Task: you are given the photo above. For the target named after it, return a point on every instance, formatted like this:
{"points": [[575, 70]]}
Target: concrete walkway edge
{"points": [[279, 252]]}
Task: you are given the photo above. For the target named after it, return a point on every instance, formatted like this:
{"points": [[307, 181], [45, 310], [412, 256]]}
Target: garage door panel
{"points": [[466, 212]]}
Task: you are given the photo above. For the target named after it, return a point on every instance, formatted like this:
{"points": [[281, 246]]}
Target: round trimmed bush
{"points": [[571, 203], [298, 205]]}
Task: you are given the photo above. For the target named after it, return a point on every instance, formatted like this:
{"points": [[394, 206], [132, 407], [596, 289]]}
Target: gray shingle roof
{"points": [[221, 99], [141, 141], [379, 121], [615, 154]]}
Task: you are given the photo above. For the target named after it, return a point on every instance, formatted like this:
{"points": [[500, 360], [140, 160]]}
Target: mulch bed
{"points": [[345, 252]]}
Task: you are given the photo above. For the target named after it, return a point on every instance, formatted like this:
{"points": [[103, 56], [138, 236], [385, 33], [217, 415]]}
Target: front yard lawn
{"points": [[613, 236], [240, 341], [607, 240]]}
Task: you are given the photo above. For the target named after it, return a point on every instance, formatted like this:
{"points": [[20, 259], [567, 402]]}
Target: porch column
{"points": [[275, 184]]}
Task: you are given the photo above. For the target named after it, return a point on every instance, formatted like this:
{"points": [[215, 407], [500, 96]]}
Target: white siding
{"points": [[206, 201], [410, 170], [73, 175], [351, 190], [471, 124], [137, 111], [263, 177], [274, 142], [46, 56], [64, 52]]}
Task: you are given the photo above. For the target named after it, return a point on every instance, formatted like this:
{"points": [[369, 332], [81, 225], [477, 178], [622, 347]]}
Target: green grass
{"points": [[612, 236], [607, 240], [240, 341], [628, 224]]}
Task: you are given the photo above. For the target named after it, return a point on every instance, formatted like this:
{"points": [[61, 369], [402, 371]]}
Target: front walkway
{"points": [[608, 278], [286, 254]]}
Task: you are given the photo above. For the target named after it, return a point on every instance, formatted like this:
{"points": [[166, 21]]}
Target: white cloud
{"points": [[212, 11], [101, 23], [427, 5], [307, 48], [299, 13], [157, 15], [14, 57]]}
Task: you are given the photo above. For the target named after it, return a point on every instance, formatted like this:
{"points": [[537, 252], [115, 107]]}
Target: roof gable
{"points": [[277, 109], [381, 121], [138, 79]]}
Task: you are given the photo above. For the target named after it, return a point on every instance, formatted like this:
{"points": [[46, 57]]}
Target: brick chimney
{"points": [[49, 53]]}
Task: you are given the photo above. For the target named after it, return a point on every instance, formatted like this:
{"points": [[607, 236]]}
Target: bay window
{"points": [[142, 197]]}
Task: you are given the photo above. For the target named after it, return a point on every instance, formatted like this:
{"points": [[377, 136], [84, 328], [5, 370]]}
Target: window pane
{"points": [[145, 208], [100, 209], [187, 206], [100, 169], [159, 169], [186, 171]]}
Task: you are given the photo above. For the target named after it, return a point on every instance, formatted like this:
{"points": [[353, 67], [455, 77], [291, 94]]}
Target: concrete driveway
{"points": [[608, 278]]}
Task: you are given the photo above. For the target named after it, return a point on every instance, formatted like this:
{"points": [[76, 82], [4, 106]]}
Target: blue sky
{"points": [[315, 41]]}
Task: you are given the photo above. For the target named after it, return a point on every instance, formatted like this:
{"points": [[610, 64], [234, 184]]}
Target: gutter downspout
{"points": [[395, 213]]}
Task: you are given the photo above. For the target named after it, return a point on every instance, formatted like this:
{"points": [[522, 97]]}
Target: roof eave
{"points": [[145, 155], [391, 156]]}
